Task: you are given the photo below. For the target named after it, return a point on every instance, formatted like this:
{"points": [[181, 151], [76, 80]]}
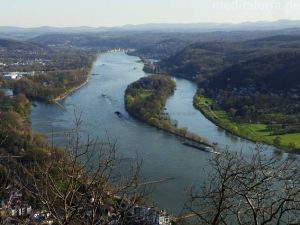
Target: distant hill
{"points": [[21, 33], [19, 45], [173, 43], [279, 71], [101, 40], [164, 27], [208, 27]]}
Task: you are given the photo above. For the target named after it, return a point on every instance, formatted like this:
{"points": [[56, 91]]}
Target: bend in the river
{"points": [[163, 155]]}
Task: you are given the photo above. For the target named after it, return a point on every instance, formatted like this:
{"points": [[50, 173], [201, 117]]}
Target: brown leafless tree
{"points": [[260, 189], [83, 183]]}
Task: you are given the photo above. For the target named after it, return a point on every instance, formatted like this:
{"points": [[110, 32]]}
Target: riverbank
{"points": [[163, 154], [145, 100], [55, 84], [68, 92], [253, 132], [86, 75]]}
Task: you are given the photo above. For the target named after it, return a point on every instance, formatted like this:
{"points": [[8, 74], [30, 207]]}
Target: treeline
{"points": [[145, 100], [16, 136], [51, 85], [259, 108], [270, 73], [253, 82], [61, 76], [246, 119], [203, 60], [263, 90], [79, 175]]}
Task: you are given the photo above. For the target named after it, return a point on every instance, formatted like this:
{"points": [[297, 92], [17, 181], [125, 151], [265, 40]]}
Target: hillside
{"points": [[106, 40], [7, 45], [250, 88], [279, 71], [203, 60], [258, 99], [21, 45]]}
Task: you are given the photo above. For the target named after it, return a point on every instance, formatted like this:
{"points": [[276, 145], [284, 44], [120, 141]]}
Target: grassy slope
{"points": [[254, 132]]}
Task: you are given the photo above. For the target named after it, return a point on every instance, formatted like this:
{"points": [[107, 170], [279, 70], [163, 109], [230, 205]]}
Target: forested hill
{"points": [[198, 60], [279, 71], [277, 38], [203, 60], [20, 45]]}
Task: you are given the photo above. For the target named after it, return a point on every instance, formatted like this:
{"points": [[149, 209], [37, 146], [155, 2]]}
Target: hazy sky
{"points": [[96, 13]]}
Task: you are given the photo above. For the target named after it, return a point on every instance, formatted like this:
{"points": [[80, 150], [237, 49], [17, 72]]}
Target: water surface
{"points": [[163, 155]]}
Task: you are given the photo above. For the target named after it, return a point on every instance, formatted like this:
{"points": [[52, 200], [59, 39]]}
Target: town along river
{"points": [[163, 155]]}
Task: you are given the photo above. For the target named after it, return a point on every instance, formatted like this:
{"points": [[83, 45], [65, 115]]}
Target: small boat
{"points": [[34, 104], [104, 95], [215, 143], [200, 147], [119, 114]]}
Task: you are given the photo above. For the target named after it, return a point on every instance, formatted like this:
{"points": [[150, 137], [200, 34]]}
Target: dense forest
{"points": [[251, 88], [203, 60], [14, 127], [275, 72], [51, 85], [264, 90], [145, 98]]}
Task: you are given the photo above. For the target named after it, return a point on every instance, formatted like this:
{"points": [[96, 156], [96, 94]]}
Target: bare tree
{"points": [[4, 174], [7, 185], [248, 190], [83, 184]]}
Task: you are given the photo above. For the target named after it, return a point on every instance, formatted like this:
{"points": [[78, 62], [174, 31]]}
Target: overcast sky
{"points": [[31, 13]]}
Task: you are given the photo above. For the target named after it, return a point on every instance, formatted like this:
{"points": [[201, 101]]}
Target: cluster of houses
{"points": [[15, 210], [136, 215], [25, 62], [30, 62], [151, 216], [17, 75]]}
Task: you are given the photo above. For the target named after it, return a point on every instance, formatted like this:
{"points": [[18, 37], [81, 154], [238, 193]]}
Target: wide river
{"points": [[163, 155]]}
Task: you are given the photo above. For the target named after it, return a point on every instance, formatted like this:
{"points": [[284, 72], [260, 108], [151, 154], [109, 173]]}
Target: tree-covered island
{"points": [[145, 100]]}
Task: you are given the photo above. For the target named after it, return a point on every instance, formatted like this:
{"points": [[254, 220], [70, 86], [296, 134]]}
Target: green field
{"points": [[254, 132]]}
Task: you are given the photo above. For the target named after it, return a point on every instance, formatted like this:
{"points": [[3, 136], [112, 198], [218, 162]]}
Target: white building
{"points": [[17, 75], [151, 216], [12, 76]]}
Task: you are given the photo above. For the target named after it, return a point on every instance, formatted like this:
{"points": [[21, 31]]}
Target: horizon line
{"points": [[151, 23]]}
